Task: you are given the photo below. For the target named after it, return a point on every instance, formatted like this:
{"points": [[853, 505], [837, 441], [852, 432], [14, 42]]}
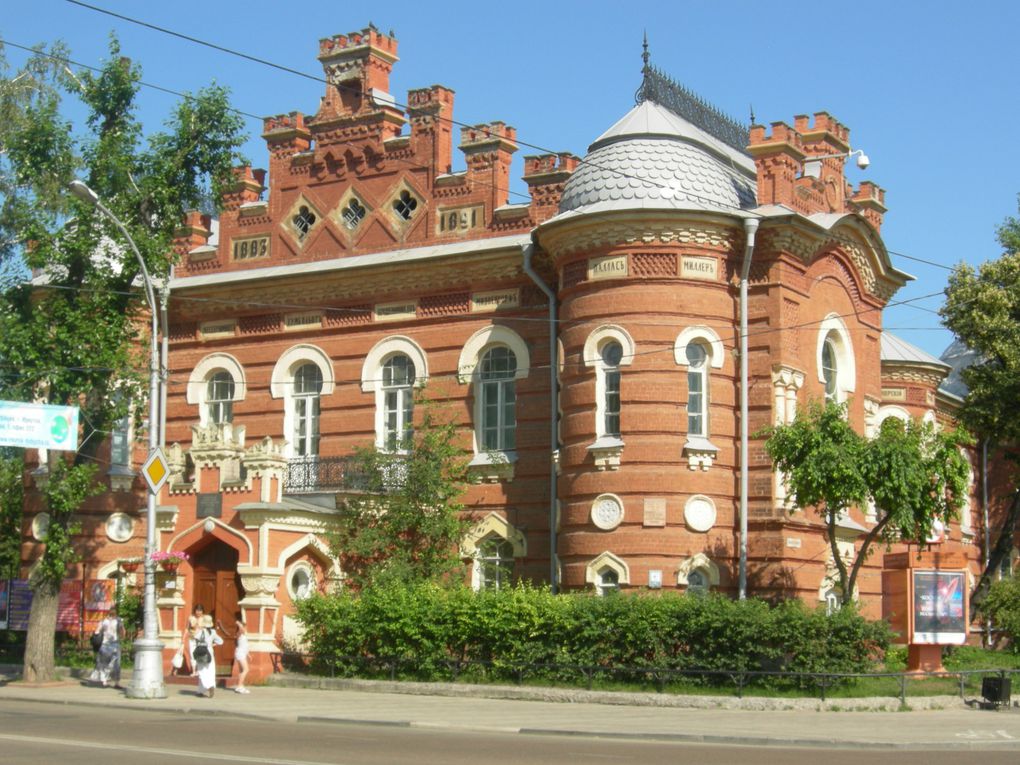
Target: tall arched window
{"points": [[398, 401], [219, 398], [611, 353], [498, 395], [307, 390], [697, 390], [830, 371]]}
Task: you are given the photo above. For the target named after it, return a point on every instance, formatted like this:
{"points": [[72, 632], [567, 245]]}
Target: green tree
{"points": [[982, 309], [913, 474], [407, 523], [75, 336], [12, 464]]}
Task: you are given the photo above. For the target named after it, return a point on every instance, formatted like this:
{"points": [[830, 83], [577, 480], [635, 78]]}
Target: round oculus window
{"points": [[607, 512], [699, 513], [120, 527], [301, 583], [40, 525]]}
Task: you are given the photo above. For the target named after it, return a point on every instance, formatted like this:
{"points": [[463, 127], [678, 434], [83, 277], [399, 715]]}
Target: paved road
{"points": [[471, 709], [118, 735]]}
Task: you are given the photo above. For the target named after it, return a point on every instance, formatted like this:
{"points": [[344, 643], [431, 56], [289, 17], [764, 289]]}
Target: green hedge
{"points": [[422, 631]]}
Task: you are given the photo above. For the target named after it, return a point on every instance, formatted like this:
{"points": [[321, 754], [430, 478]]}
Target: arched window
{"points": [[398, 376], [697, 582], [610, 355], [697, 389], [830, 372], [495, 563], [833, 602], [307, 390], [498, 394], [219, 399], [608, 582]]}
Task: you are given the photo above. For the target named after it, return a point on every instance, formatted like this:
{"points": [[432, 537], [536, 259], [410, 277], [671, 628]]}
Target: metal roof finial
{"points": [[644, 55]]}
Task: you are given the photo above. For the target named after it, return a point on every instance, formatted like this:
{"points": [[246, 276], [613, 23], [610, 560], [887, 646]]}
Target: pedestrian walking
{"points": [[240, 651], [189, 633], [203, 657], [111, 632]]}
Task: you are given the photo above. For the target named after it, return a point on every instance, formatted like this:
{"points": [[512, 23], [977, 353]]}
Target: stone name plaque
{"points": [[655, 512], [610, 267], [209, 506], [706, 269]]}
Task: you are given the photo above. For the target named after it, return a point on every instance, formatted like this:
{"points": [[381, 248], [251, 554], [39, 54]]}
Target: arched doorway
{"points": [[217, 587]]}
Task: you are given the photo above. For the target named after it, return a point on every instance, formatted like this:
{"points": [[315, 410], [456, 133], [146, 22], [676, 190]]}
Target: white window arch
{"points": [[707, 337], [699, 349], [704, 570], [492, 360], [392, 369], [607, 572], [885, 412], [607, 350], [493, 545], [228, 370], [301, 377], [834, 359]]}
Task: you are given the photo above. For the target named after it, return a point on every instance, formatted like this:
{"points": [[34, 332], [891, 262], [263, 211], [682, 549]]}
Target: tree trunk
{"points": [[1001, 549], [42, 620]]}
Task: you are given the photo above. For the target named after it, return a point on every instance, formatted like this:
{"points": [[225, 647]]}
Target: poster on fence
{"points": [[69, 605], [20, 600], [4, 601]]}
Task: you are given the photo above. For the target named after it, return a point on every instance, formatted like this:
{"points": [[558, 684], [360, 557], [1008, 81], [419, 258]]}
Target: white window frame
{"points": [[833, 330], [504, 556], [282, 384], [596, 569], [468, 367], [217, 407], [491, 526], [592, 351], [698, 448], [306, 438], [306, 568], [198, 382], [372, 375]]}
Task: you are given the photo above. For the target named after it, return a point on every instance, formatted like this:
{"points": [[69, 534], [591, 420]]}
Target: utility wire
{"points": [[357, 91]]}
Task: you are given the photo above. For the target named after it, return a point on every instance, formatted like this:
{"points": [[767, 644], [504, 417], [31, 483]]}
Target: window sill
{"points": [[492, 467], [122, 478], [606, 451], [700, 453]]}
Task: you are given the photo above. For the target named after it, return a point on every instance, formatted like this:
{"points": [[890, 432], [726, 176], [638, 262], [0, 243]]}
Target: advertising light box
{"points": [[939, 604]]}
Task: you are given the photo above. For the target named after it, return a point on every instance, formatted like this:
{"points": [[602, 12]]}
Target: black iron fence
{"points": [[314, 474], [967, 684]]}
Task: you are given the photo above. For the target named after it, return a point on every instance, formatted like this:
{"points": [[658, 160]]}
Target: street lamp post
{"points": [[147, 678]]}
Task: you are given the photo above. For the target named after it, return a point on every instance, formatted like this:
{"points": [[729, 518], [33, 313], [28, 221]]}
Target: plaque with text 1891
{"points": [[210, 506]]}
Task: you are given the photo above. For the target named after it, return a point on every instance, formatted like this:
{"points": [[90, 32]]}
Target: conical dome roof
{"points": [[653, 159]]}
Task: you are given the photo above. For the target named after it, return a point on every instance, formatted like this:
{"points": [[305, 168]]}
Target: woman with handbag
{"points": [[188, 636], [203, 658], [110, 632]]}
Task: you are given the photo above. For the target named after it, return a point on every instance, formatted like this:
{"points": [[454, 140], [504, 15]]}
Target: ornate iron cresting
{"points": [[665, 91], [325, 474]]}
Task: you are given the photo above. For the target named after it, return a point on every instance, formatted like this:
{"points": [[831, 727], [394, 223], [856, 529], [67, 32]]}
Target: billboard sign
{"points": [[939, 607], [38, 426]]}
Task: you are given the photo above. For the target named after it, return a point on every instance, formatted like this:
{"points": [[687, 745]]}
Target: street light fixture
{"points": [[147, 678]]}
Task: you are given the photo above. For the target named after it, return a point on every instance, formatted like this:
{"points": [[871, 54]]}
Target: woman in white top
{"points": [[203, 658], [108, 656], [240, 651]]}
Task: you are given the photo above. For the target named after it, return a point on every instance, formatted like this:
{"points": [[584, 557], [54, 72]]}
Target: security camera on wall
{"points": [[863, 161]]}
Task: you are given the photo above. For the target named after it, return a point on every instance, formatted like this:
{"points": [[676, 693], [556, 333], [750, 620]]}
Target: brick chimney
{"points": [[431, 112], [778, 158], [546, 175], [869, 201], [488, 150]]}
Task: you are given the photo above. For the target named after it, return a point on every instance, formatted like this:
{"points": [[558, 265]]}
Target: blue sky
{"points": [[928, 89]]}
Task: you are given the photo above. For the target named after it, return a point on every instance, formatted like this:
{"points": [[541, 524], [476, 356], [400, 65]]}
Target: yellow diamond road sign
{"points": [[155, 470]]}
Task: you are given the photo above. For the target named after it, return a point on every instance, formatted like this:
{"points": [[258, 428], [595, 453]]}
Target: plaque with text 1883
{"points": [[210, 506]]}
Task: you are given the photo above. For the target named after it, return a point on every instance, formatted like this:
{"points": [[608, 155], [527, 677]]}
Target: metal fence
{"points": [[899, 685]]}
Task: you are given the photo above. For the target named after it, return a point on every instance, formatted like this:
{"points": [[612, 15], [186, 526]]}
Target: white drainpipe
{"points": [[750, 227]]}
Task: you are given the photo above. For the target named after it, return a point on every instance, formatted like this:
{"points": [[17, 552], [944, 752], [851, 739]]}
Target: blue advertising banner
{"points": [[20, 605]]}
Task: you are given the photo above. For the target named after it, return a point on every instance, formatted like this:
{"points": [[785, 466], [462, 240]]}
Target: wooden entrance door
{"points": [[217, 587]]}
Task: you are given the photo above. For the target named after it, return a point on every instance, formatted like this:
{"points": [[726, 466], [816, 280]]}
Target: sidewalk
{"points": [[548, 711]]}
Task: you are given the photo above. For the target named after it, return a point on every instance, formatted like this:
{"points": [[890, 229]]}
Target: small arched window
{"points": [[697, 390], [830, 371], [307, 390], [498, 394], [697, 582], [495, 561], [833, 602], [398, 376], [219, 398], [608, 582]]}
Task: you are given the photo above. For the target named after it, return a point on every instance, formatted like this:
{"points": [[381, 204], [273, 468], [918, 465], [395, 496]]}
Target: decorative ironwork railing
{"points": [[313, 474], [665, 91]]}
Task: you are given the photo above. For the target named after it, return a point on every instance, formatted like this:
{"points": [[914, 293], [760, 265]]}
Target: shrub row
{"points": [[425, 628]]}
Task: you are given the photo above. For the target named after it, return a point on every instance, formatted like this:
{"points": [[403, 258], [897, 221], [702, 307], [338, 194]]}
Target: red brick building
{"points": [[362, 267]]}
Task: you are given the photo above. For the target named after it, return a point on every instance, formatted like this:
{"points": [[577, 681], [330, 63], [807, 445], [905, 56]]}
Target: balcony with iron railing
{"points": [[320, 475]]}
